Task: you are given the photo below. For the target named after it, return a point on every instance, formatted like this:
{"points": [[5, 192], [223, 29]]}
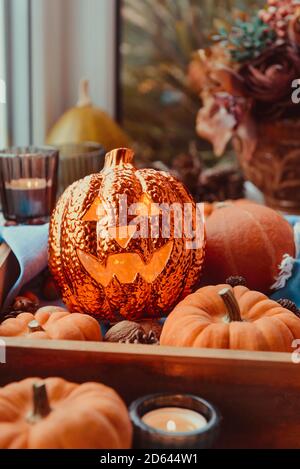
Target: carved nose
{"points": [[122, 234]]}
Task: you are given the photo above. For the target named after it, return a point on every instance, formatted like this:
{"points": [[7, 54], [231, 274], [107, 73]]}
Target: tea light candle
{"points": [[175, 420], [28, 183], [180, 421], [27, 197]]}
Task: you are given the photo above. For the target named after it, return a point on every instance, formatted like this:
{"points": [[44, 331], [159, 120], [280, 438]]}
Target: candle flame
{"points": [[171, 426]]}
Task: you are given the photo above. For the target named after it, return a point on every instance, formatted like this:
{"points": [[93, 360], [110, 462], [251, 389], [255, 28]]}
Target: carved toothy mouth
{"points": [[126, 266]]}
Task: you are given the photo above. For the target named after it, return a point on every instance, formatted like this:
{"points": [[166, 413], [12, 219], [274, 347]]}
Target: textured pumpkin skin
{"points": [[87, 416], [198, 322], [71, 235], [60, 325], [246, 239]]}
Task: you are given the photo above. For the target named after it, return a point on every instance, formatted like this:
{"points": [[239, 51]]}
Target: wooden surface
{"points": [[257, 393], [8, 270]]}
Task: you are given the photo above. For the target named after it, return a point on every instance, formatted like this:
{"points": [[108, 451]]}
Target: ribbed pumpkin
{"points": [[223, 317], [247, 239], [129, 276], [87, 123], [56, 414], [60, 325]]}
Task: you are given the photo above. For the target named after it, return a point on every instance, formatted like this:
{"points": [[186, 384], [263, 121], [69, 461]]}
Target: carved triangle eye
{"points": [[96, 211], [146, 207]]}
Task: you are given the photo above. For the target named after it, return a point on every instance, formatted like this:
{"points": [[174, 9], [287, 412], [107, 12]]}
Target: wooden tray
{"points": [[8, 270], [257, 393]]}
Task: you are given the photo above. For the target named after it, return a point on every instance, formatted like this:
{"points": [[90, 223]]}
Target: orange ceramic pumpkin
{"points": [[114, 276], [231, 318], [56, 414], [247, 239], [44, 324]]}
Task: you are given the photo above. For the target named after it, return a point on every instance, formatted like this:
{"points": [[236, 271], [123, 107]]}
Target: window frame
{"points": [[40, 86], [18, 73], [3, 78]]}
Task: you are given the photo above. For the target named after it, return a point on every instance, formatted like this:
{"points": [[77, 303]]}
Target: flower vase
{"points": [[274, 166]]}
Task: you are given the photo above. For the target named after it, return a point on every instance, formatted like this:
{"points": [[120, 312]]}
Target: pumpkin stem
{"points": [[231, 304], [41, 406], [34, 326], [84, 98], [118, 158]]}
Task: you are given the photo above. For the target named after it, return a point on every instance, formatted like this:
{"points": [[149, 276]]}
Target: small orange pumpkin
{"points": [[247, 239], [59, 325], [56, 414], [223, 317]]}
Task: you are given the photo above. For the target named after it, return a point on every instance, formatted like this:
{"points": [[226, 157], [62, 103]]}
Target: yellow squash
{"points": [[87, 123]]}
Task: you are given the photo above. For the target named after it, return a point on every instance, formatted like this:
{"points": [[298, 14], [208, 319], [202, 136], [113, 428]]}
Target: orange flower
{"points": [[202, 70], [223, 116]]}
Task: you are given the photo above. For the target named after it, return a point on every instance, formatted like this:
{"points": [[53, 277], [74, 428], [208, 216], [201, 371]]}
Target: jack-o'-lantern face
{"points": [[110, 253], [125, 266]]}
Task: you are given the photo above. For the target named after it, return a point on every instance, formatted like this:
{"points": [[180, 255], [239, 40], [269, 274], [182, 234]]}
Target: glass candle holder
{"points": [[179, 421], [28, 183], [77, 160]]}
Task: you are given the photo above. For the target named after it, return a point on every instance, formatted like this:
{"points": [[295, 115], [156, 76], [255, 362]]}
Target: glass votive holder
{"points": [[28, 183], [174, 421], [77, 160]]}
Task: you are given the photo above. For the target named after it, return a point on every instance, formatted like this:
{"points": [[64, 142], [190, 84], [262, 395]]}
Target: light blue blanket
{"points": [[29, 244]]}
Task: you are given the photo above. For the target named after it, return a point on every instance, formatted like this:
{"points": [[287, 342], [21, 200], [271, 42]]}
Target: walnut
{"points": [[152, 326], [129, 332]]}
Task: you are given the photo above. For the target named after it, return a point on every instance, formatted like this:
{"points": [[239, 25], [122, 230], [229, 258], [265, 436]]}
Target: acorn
{"points": [[236, 280]]}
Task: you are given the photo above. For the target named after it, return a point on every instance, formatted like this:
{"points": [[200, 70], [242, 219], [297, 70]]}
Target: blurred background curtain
{"points": [[3, 105], [50, 45]]}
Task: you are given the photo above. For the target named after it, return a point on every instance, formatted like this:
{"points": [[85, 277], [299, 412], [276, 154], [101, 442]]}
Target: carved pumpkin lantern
{"points": [[117, 263]]}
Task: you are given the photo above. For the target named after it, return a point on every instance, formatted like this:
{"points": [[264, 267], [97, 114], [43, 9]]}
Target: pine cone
{"points": [[188, 167], [220, 183], [235, 281], [290, 305]]}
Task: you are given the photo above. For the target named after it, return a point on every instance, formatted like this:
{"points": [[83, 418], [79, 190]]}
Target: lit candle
{"points": [[175, 420], [28, 197], [28, 182]]}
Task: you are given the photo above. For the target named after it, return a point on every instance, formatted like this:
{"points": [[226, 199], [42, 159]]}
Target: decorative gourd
{"points": [[114, 276], [86, 123], [244, 238], [56, 414], [231, 318], [44, 324]]}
